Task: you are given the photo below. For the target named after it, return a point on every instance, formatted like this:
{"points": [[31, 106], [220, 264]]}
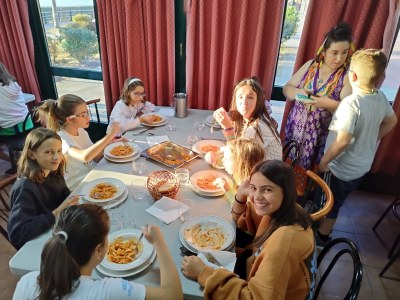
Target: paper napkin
{"points": [[166, 209], [154, 140], [169, 112], [226, 258]]}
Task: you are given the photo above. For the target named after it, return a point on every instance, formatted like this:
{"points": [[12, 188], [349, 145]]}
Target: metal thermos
{"points": [[180, 102]]}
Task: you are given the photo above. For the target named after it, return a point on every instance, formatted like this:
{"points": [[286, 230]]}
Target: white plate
{"points": [[122, 160], [127, 273], [204, 173], [90, 185], [163, 120], [144, 255], [107, 150], [197, 147], [109, 204], [210, 120], [205, 221]]}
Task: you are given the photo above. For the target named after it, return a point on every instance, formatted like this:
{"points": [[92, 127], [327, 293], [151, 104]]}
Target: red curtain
{"points": [[137, 39], [227, 41], [16, 45], [367, 18]]}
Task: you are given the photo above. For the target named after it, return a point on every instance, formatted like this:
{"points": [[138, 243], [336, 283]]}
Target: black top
{"points": [[32, 205]]}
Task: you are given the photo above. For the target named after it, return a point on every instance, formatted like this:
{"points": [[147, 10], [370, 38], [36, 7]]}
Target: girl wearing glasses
{"points": [[70, 116], [131, 105], [248, 118]]}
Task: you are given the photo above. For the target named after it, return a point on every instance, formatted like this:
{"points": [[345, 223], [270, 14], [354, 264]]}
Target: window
{"points": [[294, 20], [71, 35], [390, 85]]}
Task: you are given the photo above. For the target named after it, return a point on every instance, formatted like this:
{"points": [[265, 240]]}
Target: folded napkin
{"points": [[169, 112], [227, 259], [166, 209], [154, 140]]}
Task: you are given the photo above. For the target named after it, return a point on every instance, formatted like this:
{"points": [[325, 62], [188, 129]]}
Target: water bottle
{"points": [[180, 101]]}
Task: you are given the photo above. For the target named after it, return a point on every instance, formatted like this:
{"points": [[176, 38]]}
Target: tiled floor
{"points": [[355, 221]]}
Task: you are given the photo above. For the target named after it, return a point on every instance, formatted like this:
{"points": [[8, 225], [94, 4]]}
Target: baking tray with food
{"points": [[170, 154]]}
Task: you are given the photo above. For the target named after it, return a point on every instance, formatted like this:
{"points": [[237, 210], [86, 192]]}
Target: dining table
{"points": [[131, 213]]}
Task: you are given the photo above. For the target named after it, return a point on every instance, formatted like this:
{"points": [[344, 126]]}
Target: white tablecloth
{"points": [[28, 257]]}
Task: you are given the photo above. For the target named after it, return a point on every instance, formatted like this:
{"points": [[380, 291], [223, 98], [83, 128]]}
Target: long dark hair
{"points": [[260, 111], [29, 167], [86, 226], [339, 33], [290, 213]]}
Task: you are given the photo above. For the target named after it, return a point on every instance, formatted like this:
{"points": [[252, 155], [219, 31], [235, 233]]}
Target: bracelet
{"points": [[234, 212], [240, 202], [229, 129]]}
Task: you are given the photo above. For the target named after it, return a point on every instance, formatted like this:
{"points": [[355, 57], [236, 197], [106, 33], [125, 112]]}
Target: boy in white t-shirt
{"points": [[360, 121]]}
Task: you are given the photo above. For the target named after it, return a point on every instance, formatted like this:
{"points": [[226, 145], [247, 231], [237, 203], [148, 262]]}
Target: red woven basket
{"points": [[160, 178]]}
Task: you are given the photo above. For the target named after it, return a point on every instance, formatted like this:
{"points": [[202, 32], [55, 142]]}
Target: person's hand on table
{"points": [[192, 266], [222, 117]]}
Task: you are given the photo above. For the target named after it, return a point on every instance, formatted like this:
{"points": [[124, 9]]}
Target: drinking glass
{"points": [[192, 139], [171, 126], [199, 125], [139, 166], [139, 189], [185, 212], [182, 175]]}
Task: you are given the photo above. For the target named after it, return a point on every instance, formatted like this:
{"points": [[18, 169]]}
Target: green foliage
{"points": [[82, 20], [291, 23], [54, 45], [80, 43]]}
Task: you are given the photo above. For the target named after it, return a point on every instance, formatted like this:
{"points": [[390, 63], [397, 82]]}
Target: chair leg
{"points": [[384, 214], [391, 261], [394, 246]]}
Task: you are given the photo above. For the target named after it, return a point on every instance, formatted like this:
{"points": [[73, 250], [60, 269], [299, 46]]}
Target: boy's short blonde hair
{"points": [[369, 65]]}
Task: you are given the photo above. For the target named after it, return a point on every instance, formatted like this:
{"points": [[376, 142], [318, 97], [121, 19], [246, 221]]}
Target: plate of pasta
{"points": [[204, 182], [153, 119], [120, 150], [103, 190], [125, 252], [204, 233], [204, 146]]}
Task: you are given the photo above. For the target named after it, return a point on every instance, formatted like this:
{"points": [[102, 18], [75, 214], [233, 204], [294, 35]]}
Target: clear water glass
{"points": [[171, 126], [182, 175], [185, 213], [192, 139], [199, 125], [139, 167], [139, 189]]}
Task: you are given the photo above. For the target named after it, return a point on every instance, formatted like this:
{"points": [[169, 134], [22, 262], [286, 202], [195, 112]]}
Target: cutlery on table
{"points": [[204, 138], [143, 131], [212, 259], [186, 252]]}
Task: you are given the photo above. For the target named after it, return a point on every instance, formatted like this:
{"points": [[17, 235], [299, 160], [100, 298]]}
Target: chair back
{"points": [[322, 203], [350, 249], [291, 148], [97, 129], [5, 186]]}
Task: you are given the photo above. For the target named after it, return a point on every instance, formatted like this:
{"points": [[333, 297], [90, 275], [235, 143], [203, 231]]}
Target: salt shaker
{"points": [[180, 101]]}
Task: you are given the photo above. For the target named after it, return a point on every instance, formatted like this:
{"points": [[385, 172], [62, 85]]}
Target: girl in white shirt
{"points": [[78, 245], [131, 106], [70, 116]]}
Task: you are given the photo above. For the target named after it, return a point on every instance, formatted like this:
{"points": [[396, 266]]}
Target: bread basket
{"points": [[162, 183]]}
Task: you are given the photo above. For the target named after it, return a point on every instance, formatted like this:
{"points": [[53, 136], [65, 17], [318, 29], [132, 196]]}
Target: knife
{"points": [[212, 259]]}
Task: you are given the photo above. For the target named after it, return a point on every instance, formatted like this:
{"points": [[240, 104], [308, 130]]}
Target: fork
{"points": [[212, 259], [212, 126]]}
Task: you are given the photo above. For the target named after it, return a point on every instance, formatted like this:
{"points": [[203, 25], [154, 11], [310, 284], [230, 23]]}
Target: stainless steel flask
{"points": [[180, 101]]}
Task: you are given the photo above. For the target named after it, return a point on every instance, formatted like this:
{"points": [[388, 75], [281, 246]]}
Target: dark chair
{"points": [[5, 185], [291, 148], [350, 249], [392, 255], [16, 143], [97, 129]]}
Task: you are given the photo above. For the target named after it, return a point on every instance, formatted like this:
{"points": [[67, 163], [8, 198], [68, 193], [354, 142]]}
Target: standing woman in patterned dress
{"points": [[326, 81]]}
